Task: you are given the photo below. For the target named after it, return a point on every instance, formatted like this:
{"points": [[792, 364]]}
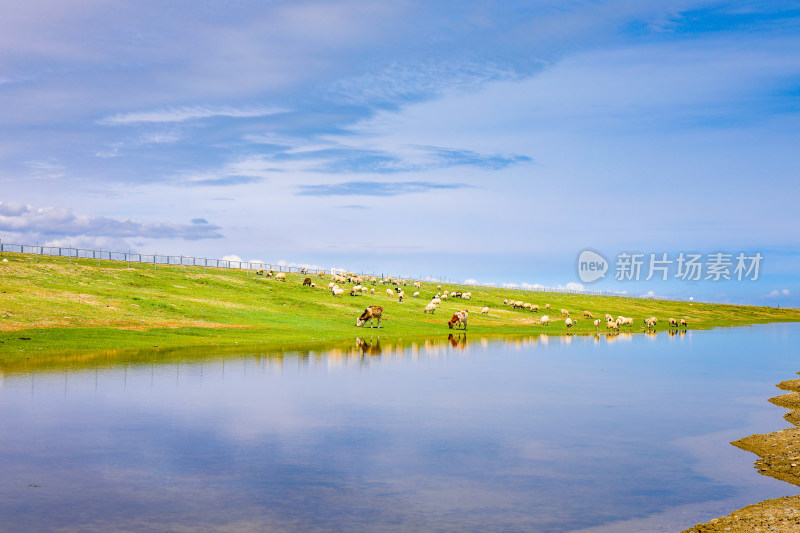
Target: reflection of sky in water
{"points": [[528, 435]]}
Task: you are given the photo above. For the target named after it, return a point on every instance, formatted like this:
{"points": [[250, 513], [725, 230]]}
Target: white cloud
{"points": [[61, 222], [181, 114], [778, 293]]}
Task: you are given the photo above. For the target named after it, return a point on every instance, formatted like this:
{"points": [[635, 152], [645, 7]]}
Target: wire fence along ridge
{"points": [[254, 266]]}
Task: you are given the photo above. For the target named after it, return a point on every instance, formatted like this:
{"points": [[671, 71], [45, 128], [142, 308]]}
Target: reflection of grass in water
{"points": [[62, 305]]}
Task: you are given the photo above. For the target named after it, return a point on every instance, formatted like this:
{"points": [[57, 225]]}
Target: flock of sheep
{"points": [[459, 319], [612, 324]]}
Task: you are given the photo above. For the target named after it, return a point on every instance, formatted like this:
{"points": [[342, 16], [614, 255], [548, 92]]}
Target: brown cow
{"points": [[459, 318], [371, 312]]}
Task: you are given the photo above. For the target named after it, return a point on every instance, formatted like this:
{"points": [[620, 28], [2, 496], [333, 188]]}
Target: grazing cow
{"points": [[307, 281], [459, 319], [370, 313]]}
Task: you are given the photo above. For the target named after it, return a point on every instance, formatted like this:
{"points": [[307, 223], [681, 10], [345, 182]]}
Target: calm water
{"points": [[536, 434]]}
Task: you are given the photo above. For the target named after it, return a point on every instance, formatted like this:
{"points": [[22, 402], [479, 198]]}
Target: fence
{"points": [[203, 262]]}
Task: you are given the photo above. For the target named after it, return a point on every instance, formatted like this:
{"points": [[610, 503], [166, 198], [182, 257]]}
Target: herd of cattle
{"points": [[373, 313]]}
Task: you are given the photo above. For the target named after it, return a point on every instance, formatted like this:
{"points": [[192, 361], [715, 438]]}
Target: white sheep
{"points": [[564, 312], [389, 293], [337, 291], [526, 305], [544, 320], [547, 306], [280, 276], [608, 317], [612, 325], [535, 307], [596, 323], [430, 308], [444, 295], [485, 311], [415, 295], [517, 304], [417, 285], [437, 302], [466, 295], [683, 322], [331, 285], [673, 323], [568, 322]]}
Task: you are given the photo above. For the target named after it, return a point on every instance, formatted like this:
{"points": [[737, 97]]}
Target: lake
{"points": [[547, 433]]}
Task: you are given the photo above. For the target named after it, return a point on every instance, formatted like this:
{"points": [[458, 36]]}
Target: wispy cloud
{"points": [[53, 221], [376, 188], [182, 114]]}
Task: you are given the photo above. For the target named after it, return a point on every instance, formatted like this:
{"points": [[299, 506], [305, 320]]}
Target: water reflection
{"points": [[449, 433]]}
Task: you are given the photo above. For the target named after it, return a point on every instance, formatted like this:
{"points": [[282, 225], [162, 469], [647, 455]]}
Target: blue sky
{"points": [[490, 141]]}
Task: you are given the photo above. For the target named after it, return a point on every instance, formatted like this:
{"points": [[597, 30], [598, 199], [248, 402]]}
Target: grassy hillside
{"points": [[57, 304]]}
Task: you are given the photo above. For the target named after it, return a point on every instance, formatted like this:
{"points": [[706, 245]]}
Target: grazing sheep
{"points": [[612, 325], [437, 302], [564, 312], [620, 318], [547, 306], [331, 285], [609, 318], [444, 295], [430, 308], [596, 323], [653, 319], [364, 290], [506, 301], [544, 320], [588, 314], [683, 322], [337, 291], [260, 272], [306, 281], [355, 290], [673, 323], [535, 307], [321, 274], [417, 285], [304, 271], [485, 311], [372, 290], [459, 319], [280, 276], [466, 295], [517, 304], [370, 313], [438, 287], [568, 322], [415, 295], [389, 293], [650, 323], [627, 321], [313, 285], [526, 305]]}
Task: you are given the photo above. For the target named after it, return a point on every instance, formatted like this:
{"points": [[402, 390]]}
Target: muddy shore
{"points": [[778, 457]]}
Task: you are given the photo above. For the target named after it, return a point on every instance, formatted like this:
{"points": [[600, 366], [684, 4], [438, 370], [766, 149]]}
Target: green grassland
{"points": [[56, 304]]}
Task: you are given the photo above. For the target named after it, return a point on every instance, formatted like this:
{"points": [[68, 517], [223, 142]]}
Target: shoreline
{"points": [[778, 457]]}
